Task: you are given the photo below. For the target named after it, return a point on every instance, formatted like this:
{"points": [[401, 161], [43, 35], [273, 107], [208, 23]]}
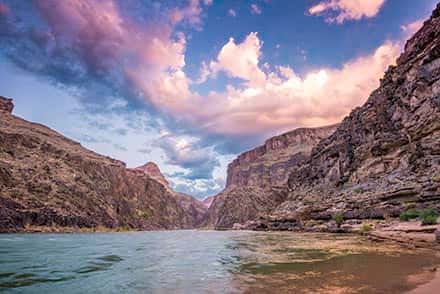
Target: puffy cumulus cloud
{"points": [[274, 100], [241, 60], [232, 12], [342, 10], [255, 9]]}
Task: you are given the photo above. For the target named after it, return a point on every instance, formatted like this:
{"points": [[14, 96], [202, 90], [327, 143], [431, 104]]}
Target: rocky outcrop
{"points": [[151, 169], [6, 105], [192, 206], [240, 204], [47, 180], [257, 179], [270, 164]]}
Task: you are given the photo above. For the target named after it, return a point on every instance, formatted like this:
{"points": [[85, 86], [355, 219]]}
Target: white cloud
{"points": [[342, 10], [241, 60], [273, 100], [232, 12]]}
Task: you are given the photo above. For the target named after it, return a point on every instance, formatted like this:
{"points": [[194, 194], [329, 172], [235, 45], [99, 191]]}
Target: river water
{"points": [[208, 262]]}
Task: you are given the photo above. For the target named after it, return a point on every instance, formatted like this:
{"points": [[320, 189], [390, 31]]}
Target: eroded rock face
{"points": [[192, 206], [270, 164], [257, 179], [385, 156], [151, 169], [6, 105], [237, 205], [51, 181]]}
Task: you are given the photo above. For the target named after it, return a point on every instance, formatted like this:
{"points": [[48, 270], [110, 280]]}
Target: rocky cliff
{"points": [[270, 164], [47, 180], [192, 206], [256, 179], [385, 156]]}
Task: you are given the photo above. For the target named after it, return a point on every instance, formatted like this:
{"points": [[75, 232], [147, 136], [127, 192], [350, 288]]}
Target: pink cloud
{"points": [[342, 10], [152, 60], [241, 60], [273, 100]]}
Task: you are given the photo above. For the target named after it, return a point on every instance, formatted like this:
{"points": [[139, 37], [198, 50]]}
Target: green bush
{"points": [[409, 214], [429, 216], [339, 218], [366, 228]]}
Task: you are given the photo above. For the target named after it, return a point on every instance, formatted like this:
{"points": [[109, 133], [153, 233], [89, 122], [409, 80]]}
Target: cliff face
{"points": [[51, 181], [151, 169], [257, 178], [385, 156], [269, 165], [193, 207]]}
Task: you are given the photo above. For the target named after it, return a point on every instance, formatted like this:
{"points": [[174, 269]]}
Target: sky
{"points": [[190, 84]]}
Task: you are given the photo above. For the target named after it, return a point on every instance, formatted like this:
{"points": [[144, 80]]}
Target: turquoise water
{"points": [[204, 262]]}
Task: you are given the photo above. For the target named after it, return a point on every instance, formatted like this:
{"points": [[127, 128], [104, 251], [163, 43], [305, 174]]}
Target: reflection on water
{"points": [[207, 262]]}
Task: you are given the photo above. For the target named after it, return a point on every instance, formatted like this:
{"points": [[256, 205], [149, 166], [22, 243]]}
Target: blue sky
{"points": [[190, 84]]}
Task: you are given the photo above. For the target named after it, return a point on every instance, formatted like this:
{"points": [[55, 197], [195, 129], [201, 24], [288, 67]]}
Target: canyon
{"points": [[382, 159]]}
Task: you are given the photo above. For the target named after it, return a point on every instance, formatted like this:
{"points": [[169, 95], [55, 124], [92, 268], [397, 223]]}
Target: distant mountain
{"points": [[257, 178], [49, 182], [151, 169], [191, 205]]}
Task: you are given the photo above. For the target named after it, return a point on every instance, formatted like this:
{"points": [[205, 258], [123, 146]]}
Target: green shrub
{"points": [[429, 216], [366, 228], [339, 218], [409, 214], [145, 215]]}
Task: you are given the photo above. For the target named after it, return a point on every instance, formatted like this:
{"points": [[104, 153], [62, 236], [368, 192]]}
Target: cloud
{"points": [[241, 60], [190, 13], [274, 100], [255, 9], [339, 11], [232, 12], [187, 153]]}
